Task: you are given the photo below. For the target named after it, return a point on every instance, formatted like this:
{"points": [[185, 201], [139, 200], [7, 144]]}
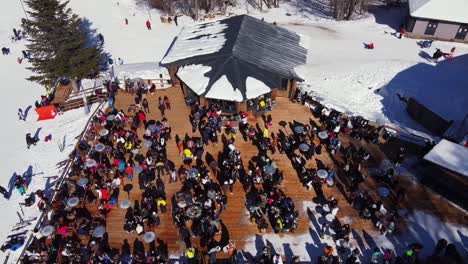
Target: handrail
{"points": [[408, 136], [62, 177], [79, 102]]}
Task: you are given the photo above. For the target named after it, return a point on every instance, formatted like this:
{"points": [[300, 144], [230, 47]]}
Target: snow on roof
{"points": [[144, 70], [198, 39], [194, 77], [453, 10], [450, 156], [255, 88], [222, 89]]}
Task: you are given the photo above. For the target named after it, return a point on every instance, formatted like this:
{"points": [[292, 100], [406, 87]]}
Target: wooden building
{"points": [[438, 19], [447, 171], [241, 63]]}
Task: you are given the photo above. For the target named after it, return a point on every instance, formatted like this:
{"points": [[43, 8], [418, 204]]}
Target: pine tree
{"points": [[61, 44]]}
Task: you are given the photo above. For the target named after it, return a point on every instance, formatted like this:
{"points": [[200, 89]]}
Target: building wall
{"points": [[449, 184], [172, 72], [446, 31], [420, 27], [242, 106], [289, 92]]}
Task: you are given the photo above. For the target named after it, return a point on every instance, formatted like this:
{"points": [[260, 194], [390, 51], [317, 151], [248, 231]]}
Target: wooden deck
{"points": [[236, 215]]}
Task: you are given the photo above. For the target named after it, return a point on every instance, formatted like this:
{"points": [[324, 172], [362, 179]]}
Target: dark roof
{"points": [[252, 47]]}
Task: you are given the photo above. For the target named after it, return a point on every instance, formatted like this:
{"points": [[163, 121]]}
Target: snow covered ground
{"points": [[40, 162], [340, 71], [310, 246]]}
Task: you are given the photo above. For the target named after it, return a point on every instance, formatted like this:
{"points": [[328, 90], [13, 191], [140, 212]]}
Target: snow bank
{"points": [[449, 155], [194, 77], [40, 163], [255, 88], [144, 70], [309, 246], [223, 90], [198, 39]]}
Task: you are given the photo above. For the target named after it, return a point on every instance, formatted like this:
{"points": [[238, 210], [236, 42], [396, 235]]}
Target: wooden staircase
{"points": [[69, 99]]}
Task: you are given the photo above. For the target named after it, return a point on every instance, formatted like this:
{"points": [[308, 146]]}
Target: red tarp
{"points": [[46, 112]]}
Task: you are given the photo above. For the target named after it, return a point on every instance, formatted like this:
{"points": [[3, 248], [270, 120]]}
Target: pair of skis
{"points": [[24, 223]]}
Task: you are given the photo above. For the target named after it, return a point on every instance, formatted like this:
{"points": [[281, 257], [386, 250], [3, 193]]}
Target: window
{"points": [[226, 106], [254, 104], [461, 33], [410, 25], [284, 84], [431, 28]]}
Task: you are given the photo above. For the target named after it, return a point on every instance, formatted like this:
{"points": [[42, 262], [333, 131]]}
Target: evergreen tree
{"points": [[61, 44]]}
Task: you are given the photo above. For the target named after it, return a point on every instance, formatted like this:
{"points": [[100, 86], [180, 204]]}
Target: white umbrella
{"points": [[270, 169], [99, 231], [138, 169], [82, 182], [47, 230], [304, 147], [322, 174], [99, 147], [323, 135], [104, 132], [147, 143], [125, 204], [110, 117], [72, 202], [149, 237], [299, 129], [383, 191], [90, 163]]}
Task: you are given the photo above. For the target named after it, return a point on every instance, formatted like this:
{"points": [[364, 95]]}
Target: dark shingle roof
{"points": [[251, 47]]}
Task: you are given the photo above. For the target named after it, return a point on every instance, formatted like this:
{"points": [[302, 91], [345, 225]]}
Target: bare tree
{"points": [[194, 8], [345, 9]]}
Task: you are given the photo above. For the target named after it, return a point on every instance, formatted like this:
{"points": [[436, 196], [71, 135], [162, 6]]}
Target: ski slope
{"points": [[340, 71]]}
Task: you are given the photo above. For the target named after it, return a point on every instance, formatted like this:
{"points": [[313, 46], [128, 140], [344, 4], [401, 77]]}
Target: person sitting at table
{"points": [[332, 202], [297, 161]]}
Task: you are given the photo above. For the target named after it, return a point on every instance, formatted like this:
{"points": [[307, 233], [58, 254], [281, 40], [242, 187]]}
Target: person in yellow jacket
{"points": [[162, 205], [128, 145], [280, 224], [188, 156], [191, 255], [266, 133]]}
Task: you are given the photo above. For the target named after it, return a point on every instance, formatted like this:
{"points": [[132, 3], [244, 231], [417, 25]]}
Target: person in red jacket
{"points": [[402, 33], [104, 195], [129, 171], [148, 24]]}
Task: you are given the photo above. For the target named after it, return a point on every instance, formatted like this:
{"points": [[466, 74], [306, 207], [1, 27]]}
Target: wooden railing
{"points": [[77, 103]]}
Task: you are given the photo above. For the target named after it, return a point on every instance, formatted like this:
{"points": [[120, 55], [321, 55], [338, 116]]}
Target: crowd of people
{"points": [[112, 156], [106, 157]]}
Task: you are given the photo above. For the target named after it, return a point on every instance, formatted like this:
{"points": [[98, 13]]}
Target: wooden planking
{"points": [[236, 215]]}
